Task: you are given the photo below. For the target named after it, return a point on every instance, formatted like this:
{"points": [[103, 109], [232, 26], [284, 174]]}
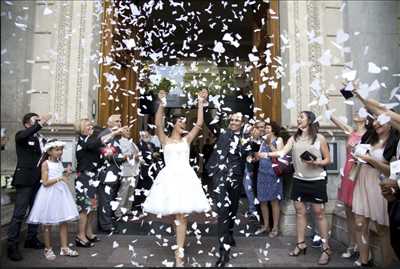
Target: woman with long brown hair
{"points": [[310, 155], [368, 202]]}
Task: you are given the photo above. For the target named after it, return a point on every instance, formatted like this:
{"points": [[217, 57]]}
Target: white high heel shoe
{"points": [[179, 256], [350, 252]]}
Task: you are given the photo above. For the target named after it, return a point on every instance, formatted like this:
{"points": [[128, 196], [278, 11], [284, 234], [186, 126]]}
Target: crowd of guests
{"points": [[114, 175]]}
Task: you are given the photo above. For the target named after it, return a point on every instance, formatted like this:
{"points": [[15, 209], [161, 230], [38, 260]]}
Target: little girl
{"points": [[54, 203]]}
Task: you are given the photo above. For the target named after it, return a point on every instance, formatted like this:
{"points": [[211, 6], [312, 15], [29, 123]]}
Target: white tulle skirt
{"points": [[53, 205], [176, 189]]}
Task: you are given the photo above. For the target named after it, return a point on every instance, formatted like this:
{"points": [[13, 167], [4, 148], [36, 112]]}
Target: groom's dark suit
{"points": [[226, 168]]}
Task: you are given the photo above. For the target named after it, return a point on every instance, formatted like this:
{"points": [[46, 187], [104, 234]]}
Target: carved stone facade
{"points": [[60, 48], [72, 29]]}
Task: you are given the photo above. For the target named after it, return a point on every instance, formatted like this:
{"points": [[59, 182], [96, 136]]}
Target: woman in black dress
{"points": [[88, 161]]}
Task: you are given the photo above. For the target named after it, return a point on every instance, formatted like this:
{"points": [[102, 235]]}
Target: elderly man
{"points": [[110, 171], [129, 175], [26, 180]]}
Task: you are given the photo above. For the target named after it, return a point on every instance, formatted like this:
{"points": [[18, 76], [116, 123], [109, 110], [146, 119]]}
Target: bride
{"points": [[177, 190]]}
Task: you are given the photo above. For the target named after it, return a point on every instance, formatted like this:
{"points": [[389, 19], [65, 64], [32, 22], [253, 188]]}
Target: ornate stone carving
{"points": [[63, 59], [81, 54], [297, 55], [314, 48]]}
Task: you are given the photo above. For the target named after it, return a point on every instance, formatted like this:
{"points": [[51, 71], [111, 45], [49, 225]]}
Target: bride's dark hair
{"points": [[170, 123]]}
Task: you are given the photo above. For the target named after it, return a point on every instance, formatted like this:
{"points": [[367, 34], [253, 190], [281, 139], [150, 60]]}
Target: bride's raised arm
{"points": [[160, 118], [201, 96]]}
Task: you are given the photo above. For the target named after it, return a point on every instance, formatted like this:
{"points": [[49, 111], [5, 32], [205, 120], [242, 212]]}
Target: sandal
{"points": [[298, 250], [273, 233], [326, 252], [69, 252], [85, 244], [93, 239], [360, 264], [261, 230], [49, 254], [350, 252], [179, 255]]}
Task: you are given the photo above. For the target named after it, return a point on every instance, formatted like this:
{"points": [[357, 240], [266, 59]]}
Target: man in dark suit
{"points": [[26, 180], [149, 168], [226, 167]]}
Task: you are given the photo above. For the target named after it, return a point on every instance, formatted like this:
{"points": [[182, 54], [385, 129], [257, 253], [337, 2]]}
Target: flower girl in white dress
{"points": [[177, 190], [54, 203]]}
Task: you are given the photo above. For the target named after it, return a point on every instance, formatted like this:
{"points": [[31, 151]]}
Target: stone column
{"points": [[66, 44]]}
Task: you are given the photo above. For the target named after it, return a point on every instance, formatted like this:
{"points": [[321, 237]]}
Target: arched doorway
{"points": [[122, 62]]}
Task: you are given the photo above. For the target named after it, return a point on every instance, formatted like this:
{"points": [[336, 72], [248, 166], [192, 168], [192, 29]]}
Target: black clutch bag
{"points": [[346, 94], [307, 156]]}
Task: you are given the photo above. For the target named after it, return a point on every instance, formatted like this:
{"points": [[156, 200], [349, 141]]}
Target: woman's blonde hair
{"points": [[79, 126]]}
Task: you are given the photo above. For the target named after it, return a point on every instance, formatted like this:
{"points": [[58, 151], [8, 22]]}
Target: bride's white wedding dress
{"points": [[176, 189]]}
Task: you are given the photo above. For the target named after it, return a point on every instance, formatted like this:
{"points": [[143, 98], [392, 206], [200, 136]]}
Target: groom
{"points": [[226, 168]]}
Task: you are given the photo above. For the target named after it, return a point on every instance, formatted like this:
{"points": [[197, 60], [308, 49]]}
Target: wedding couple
{"points": [[177, 189]]}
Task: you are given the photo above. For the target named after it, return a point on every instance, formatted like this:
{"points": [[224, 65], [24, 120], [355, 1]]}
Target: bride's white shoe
{"points": [[179, 256]]}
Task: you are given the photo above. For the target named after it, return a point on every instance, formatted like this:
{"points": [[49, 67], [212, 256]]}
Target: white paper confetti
{"points": [[219, 47], [373, 68], [341, 37], [47, 11], [383, 119]]}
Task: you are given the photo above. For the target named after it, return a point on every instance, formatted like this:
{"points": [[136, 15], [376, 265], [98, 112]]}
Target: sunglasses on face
{"points": [[235, 120]]}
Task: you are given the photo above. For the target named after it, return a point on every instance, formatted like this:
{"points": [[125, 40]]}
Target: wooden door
{"points": [[118, 69], [266, 37], [118, 92]]}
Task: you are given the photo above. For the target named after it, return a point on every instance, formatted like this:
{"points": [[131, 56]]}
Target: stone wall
{"points": [[374, 28], [53, 64], [17, 20]]}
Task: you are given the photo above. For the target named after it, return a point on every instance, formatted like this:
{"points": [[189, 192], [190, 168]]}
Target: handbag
{"points": [[282, 166], [276, 166], [355, 170]]}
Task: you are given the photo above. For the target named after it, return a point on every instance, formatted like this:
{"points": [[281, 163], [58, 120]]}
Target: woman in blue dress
{"points": [[269, 186]]}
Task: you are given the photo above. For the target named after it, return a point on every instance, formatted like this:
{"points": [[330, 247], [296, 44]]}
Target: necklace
{"points": [[176, 140]]}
